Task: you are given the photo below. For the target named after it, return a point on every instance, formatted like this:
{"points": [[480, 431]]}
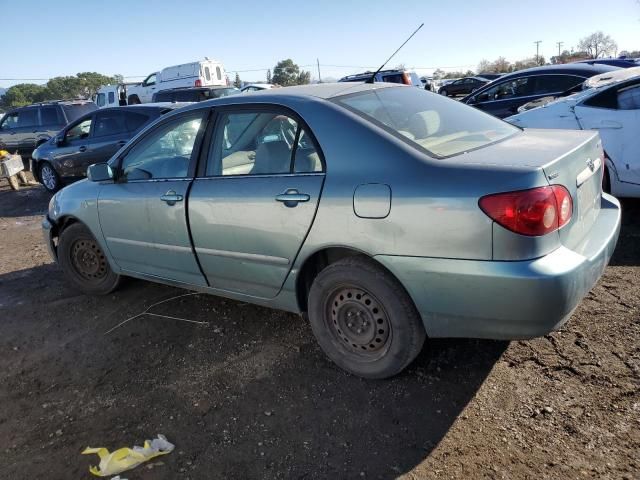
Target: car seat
{"points": [[272, 157]]}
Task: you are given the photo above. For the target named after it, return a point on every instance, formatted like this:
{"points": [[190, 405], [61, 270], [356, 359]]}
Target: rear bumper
{"points": [[507, 300]]}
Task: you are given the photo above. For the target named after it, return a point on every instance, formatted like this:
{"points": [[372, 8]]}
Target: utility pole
{"points": [[559, 47], [537, 42], [319, 77]]}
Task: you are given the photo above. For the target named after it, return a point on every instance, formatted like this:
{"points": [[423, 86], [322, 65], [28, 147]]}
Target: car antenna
{"points": [[370, 80]]}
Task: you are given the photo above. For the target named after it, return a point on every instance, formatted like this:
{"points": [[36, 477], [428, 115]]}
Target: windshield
{"points": [[432, 123]]}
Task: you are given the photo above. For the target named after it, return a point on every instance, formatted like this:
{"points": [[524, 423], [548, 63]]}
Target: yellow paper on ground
{"points": [[127, 458]]}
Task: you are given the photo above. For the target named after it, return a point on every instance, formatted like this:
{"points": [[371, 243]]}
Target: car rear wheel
{"points": [[84, 263], [49, 177], [442, 91], [363, 318]]}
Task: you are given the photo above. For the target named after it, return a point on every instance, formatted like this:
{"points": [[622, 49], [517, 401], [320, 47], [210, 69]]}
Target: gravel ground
{"points": [[250, 395]]}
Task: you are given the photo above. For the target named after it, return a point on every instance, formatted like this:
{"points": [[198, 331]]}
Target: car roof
{"points": [[55, 102], [148, 106], [194, 89], [567, 69]]}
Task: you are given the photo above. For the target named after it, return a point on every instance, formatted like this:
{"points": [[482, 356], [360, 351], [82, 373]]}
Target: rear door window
{"points": [[101, 100], [49, 116], [134, 121], [109, 123], [555, 83], [218, 73], [112, 98], [207, 73]]}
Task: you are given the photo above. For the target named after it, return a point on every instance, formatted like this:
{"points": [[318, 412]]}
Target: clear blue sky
{"points": [[43, 39]]}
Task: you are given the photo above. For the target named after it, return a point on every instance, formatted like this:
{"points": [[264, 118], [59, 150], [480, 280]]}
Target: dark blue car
{"points": [[503, 96]]}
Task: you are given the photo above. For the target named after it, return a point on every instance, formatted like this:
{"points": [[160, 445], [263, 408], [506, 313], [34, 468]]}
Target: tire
{"points": [[363, 318], [134, 100], [49, 177], [442, 91], [84, 263], [606, 181]]}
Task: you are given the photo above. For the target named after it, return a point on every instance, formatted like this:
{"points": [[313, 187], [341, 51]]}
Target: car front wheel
{"points": [[49, 177], [363, 318], [84, 263]]}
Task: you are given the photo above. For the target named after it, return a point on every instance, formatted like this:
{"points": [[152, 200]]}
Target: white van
{"points": [[205, 73], [112, 95]]}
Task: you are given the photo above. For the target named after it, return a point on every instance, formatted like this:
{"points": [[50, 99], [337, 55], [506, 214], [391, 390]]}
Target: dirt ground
{"points": [[250, 394]]}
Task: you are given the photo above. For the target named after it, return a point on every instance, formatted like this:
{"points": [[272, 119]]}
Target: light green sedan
{"points": [[382, 213]]}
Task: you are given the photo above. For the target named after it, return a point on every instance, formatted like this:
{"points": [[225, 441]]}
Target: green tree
{"points": [[269, 76], [287, 73], [598, 45], [23, 94], [237, 82], [438, 74]]}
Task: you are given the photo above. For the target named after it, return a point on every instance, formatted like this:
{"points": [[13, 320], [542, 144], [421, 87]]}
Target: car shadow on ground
{"points": [[248, 395]]}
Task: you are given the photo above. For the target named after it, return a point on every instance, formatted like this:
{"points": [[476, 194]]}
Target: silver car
{"points": [[382, 213]]}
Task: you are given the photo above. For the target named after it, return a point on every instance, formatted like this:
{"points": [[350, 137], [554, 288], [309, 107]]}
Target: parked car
{"points": [[462, 86], [22, 129], [256, 87], [285, 200], [490, 76], [610, 104], [502, 97], [386, 76], [614, 62], [193, 94], [205, 73], [92, 138]]}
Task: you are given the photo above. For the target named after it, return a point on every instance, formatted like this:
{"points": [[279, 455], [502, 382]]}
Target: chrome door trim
{"points": [[160, 246], [253, 257]]}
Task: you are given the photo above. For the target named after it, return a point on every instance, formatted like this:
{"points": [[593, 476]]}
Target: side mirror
{"points": [[59, 140], [99, 172], [483, 97]]}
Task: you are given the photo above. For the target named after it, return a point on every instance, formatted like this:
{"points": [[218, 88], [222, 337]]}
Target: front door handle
{"points": [[171, 197], [83, 149], [291, 197]]}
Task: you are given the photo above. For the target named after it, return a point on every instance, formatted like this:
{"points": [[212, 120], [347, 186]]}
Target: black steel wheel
{"points": [[84, 262], [363, 318]]}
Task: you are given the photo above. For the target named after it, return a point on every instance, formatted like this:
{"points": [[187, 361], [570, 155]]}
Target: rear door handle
{"points": [[171, 197], [291, 197], [83, 149]]}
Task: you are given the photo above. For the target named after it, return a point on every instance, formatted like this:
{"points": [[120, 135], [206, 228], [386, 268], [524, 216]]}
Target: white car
{"points": [[609, 103], [205, 73]]}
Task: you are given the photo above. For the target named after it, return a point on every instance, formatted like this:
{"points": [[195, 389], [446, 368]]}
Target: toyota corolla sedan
{"points": [[382, 213]]}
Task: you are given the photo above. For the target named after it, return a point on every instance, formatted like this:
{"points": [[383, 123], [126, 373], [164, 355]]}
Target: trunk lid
{"points": [[571, 158]]}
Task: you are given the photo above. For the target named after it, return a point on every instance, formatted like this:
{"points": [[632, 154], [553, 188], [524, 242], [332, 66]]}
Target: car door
{"points": [[21, 127], [615, 113], [251, 208], [74, 149], [108, 135], [8, 132], [143, 212], [149, 88]]}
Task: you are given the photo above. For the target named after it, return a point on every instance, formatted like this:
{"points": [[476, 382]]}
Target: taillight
{"points": [[533, 212], [406, 79], [198, 83]]}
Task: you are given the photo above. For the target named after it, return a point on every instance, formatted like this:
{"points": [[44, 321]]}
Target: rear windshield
{"points": [[76, 110], [436, 125]]}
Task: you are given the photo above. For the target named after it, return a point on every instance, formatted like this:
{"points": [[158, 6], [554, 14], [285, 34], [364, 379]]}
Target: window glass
{"points": [[79, 131], [151, 79], [112, 97], [430, 123], [207, 73], [555, 83], [165, 152], [252, 144], [76, 110], [10, 121], [518, 87], [49, 116], [393, 78], [135, 121], [28, 118], [218, 73], [307, 158], [101, 100], [629, 98], [109, 123]]}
